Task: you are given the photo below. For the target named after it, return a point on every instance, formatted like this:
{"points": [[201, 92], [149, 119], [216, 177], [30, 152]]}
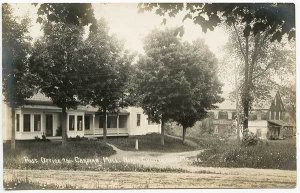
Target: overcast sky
{"points": [[131, 26]]}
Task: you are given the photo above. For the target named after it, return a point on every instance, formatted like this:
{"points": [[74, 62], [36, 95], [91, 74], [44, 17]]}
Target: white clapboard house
{"points": [[39, 116]]}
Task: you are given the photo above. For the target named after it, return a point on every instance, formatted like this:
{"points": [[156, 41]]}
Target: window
{"points": [[138, 120], [71, 122], [264, 115], [216, 129], [149, 120], [252, 116], [37, 122], [87, 122], [223, 115], [279, 115], [79, 123], [18, 122], [234, 115], [211, 115], [112, 121], [258, 132], [101, 121], [26, 122]]}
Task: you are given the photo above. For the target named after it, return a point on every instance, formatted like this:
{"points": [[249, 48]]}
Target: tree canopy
{"points": [[16, 48], [176, 81], [105, 73], [278, 19], [55, 63], [69, 13]]}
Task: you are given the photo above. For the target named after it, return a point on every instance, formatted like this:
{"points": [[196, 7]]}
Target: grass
{"points": [[76, 155], [277, 154], [28, 153], [151, 142], [25, 184]]}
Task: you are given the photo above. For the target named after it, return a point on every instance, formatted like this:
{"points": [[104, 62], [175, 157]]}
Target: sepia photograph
{"points": [[148, 95]]}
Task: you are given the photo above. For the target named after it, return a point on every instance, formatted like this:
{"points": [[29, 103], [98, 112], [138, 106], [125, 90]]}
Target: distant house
{"points": [[39, 116], [265, 118]]}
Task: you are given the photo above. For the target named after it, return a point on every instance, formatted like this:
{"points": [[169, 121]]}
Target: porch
{"points": [[36, 121], [117, 124], [278, 129]]}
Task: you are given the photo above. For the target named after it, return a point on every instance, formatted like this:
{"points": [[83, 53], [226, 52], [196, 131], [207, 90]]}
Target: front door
{"points": [[49, 125]]}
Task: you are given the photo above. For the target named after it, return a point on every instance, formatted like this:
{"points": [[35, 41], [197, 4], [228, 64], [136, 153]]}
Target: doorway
{"points": [[49, 125]]}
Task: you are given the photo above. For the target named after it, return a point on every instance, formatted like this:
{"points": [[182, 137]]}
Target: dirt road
{"points": [[125, 180], [196, 177]]}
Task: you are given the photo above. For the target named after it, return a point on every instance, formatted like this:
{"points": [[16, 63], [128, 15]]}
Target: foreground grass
{"points": [[75, 155], [277, 154], [151, 142], [26, 184]]}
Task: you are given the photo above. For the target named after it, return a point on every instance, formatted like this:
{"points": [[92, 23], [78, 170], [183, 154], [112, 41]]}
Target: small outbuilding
{"points": [[278, 129]]}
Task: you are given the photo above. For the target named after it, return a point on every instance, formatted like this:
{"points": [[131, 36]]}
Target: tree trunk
{"points": [[13, 130], [64, 125], [245, 92], [104, 125], [162, 135], [183, 134], [237, 103], [246, 114]]}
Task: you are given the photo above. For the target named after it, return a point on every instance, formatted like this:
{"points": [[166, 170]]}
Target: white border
{"points": [[172, 190]]}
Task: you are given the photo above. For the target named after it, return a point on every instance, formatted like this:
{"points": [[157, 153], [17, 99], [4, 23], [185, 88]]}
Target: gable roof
{"points": [[39, 100], [230, 104]]}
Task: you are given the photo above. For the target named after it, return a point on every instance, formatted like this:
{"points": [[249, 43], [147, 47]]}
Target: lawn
{"points": [[32, 154], [151, 142], [75, 155], [276, 154]]}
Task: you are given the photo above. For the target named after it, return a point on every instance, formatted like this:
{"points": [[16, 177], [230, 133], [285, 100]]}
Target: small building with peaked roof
{"points": [[265, 117]]}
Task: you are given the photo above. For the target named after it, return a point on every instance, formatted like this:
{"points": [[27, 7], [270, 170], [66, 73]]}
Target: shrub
{"points": [[44, 137], [58, 131], [250, 139], [272, 154]]}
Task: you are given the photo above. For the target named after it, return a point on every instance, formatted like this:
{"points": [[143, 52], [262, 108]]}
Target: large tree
{"points": [[16, 47], [106, 72], [59, 52], [55, 62], [174, 81], [199, 67], [260, 20], [265, 60]]}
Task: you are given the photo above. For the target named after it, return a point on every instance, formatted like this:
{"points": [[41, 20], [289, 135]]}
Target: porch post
{"points": [[118, 124], [42, 122], [93, 116]]}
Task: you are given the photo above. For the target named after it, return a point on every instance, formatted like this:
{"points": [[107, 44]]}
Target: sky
{"points": [[131, 26]]}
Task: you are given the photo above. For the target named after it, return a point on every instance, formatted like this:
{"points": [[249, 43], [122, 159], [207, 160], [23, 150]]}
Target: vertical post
{"points": [[93, 125], [42, 120], [118, 124], [13, 129], [136, 144]]}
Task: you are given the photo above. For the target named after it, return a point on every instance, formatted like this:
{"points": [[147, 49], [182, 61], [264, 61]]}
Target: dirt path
{"points": [[125, 180], [195, 177], [183, 160], [156, 159]]}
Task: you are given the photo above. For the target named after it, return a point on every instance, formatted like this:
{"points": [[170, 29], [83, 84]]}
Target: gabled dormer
{"points": [[276, 109]]}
